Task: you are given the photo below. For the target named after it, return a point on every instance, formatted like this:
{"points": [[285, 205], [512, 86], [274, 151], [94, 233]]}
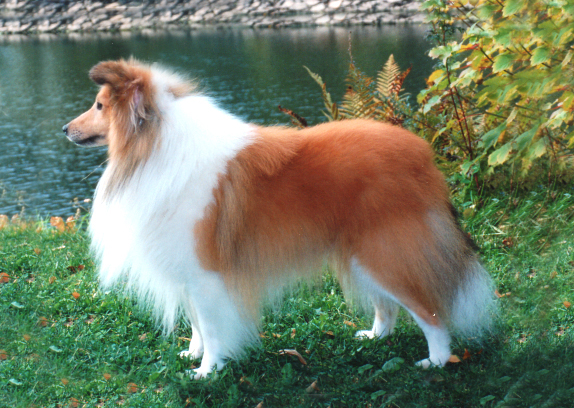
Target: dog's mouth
{"points": [[95, 140]]}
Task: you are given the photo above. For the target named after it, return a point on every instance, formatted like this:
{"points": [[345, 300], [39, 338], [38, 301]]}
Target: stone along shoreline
{"points": [[48, 16]]}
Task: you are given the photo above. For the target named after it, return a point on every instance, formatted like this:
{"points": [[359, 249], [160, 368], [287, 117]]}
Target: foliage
{"points": [[380, 99], [65, 343], [502, 93]]}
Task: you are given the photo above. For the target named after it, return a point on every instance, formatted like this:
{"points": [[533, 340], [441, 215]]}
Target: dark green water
{"points": [[44, 84]]}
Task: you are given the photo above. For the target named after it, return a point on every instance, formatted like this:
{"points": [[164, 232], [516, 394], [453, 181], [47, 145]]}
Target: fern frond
{"points": [[387, 77], [332, 112], [397, 84], [358, 100]]}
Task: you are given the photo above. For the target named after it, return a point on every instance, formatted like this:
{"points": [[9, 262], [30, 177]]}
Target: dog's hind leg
{"points": [[386, 309], [386, 312], [438, 339]]}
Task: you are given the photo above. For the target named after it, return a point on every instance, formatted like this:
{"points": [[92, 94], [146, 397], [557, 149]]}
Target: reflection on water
{"points": [[44, 84]]}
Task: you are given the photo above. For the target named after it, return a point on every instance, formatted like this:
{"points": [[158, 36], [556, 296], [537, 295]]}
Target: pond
{"points": [[44, 84]]}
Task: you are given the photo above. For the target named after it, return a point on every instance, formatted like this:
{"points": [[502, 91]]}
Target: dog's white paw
{"points": [[373, 334], [365, 334], [430, 362], [191, 354], [198, 374]]}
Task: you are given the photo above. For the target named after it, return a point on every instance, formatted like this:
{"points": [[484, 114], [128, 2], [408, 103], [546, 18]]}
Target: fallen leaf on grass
{"points": [[329, 333], [292, 352], [553, 275], [567, 304], [52, 279], [454, 359], [90, 319], [260, 405], [17, 305], [132, 388], [65, 381], [293, 332], [4, 277], [71, 222], [76, 295], [37, 251], [245, 380], [27, 337], [58, 223], [42, 322], [107, 376], [508, 242], [74, 269], [466, 355], [69, 322], [74, 403], [313, 388], [348, 323], [3, 221], [560, 332], [31, 278], [3, 355]]}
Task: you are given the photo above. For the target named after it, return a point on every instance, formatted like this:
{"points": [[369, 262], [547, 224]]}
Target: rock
{"points": [[317, 8], [22, 16]]}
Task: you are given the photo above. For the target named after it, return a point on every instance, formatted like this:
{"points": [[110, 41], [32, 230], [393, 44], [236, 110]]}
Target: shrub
{"points": [[503, 91]]}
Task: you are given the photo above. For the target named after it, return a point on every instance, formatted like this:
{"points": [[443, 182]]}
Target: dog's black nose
{"points": [[65, 129]]}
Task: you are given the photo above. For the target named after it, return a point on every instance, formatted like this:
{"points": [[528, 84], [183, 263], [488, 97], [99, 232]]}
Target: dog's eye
{"points": [[99, 106]]}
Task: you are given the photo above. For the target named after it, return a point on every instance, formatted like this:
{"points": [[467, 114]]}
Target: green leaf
{"points": [[512, 7], [14, 381], [394, 364], [491, 137], [502, 62], [526, 138], [378, 394], [500, 155], [486, 399], [540, 55], [430, 103], [537, 149], [567, 59], [55, 349], [364, 368]]}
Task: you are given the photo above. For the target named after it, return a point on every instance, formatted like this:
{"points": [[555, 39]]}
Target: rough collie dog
{"points": [[206, 216]]}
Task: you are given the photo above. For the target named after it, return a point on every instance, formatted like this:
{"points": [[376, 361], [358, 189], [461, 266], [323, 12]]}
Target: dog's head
{"points": [[124, 111]]}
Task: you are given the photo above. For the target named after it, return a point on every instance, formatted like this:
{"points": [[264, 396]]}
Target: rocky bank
{"points": [[26, 16]]}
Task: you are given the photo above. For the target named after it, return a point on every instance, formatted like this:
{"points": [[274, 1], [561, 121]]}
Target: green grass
{"points": [[64, 343]]}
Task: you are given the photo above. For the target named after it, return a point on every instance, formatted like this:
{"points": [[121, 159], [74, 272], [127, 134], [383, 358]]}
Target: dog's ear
{"points": [[129, 84]]}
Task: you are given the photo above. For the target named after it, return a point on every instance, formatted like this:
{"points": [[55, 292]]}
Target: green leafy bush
{"points": [[503, 91]]}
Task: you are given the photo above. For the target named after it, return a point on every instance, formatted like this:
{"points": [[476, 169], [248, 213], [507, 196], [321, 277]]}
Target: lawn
{"points": [[65, 343]]}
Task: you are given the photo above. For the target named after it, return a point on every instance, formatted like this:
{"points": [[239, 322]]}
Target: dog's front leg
{"points": [[222, 326]]}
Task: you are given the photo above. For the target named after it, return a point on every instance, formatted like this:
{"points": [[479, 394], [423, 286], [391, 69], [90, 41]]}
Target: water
{"points": [[44, 84]]}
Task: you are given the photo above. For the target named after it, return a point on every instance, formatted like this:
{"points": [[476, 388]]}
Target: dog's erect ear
{"points": [[129, 84]]}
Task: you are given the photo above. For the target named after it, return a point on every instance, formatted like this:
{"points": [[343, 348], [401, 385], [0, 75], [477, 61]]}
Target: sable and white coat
{"points": [[206, 216]]}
